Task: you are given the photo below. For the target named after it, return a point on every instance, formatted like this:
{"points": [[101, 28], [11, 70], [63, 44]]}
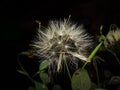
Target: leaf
{"points": [[81, 80], [40, 86], [23, 72], [24, 53], [56, 87], [43, 65], [44, 77]]}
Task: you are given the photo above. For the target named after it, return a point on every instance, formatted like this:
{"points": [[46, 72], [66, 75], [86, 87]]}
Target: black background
{"points": [[18, 27]]}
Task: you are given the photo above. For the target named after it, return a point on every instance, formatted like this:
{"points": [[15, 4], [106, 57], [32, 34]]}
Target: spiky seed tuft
{"points": [[61, 40]]}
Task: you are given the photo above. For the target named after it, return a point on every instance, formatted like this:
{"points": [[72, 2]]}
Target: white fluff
{"points": [[62, 40]]}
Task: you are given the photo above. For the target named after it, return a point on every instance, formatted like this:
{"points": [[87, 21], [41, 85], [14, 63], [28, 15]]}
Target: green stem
{"points": [[24, 69], [97, 74], [93, 54], [68, 71], [36, 74], [114, 54]]}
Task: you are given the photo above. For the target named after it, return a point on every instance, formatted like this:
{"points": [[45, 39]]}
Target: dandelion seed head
{"points": [[62, 40], [113, 37], [112, 41]]}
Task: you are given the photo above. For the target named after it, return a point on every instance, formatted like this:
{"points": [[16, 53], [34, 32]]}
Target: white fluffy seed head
{"points": [[113, 36], [62, 40], [113, 39]]}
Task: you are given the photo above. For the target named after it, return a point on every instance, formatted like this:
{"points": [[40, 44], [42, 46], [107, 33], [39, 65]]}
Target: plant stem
{"points": [[93, 54], [68, 71], [114, 54], [97, 74], [24, 69]]}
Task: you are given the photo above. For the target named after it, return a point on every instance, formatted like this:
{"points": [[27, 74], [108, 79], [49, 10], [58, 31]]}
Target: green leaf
{"points": [[101, 28], [22, 72], [81, 80], [24, 53], [40, 86], [43, 65], [56, 87], [44, 77]]}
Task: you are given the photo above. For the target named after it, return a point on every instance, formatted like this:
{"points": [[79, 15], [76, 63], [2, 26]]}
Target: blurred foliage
{"points": [[82, 78]]}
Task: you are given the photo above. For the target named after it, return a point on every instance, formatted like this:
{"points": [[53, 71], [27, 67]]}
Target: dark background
{"points": [[18, 27]]}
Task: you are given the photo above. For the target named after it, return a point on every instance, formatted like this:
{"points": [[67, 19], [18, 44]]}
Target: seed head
{"points": [[62, 40], [113, 39]]}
